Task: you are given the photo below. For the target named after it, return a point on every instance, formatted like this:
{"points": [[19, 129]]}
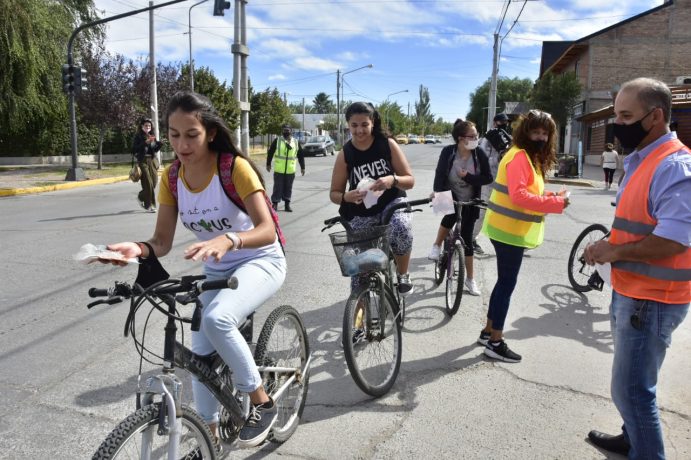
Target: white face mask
{"points": [[470, 145]]}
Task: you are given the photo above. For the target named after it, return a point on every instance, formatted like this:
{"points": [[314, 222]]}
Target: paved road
{"points": [[68, 375]]}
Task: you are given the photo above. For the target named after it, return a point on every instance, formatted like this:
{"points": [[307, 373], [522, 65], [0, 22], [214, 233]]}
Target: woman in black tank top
{"points": [[371, 153]]}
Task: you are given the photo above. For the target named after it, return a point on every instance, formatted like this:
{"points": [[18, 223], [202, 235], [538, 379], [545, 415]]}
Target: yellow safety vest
{"points": [[507, 222], [284, 158]]}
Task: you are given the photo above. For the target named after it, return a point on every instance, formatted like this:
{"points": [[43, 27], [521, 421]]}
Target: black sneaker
{"points": [[501, 352], [405, 286], [477, 249], [258, 424], [484, 338]]}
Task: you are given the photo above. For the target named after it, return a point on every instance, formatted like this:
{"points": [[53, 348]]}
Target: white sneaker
{"points": [[471, 285], [434, 252]]}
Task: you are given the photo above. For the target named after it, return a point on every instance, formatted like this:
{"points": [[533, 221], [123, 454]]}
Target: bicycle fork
{"points": [[169, 415]]}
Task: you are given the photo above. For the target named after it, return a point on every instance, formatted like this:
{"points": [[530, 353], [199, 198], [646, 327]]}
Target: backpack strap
{"points": [[226, 163], [173, 178]]}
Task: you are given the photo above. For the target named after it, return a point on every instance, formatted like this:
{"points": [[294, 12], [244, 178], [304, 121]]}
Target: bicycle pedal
{"points": [[595, 281]]}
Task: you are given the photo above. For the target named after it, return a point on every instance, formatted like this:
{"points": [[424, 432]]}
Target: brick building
{"points": [[655, 43]]}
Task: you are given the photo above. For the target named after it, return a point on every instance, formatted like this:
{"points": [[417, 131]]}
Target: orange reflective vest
{"points": [[666, 280], [507, 222]]}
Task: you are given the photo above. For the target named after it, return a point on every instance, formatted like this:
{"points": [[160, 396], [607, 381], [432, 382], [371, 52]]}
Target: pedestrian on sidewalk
{"points": [[464, 169], [609, 162], [144, 148], [288, 151], [649, 249], [515, 217]]}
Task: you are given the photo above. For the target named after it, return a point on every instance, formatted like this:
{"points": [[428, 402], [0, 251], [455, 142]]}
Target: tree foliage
{"points": [[423, 116], [269, 112], [322, 104], [557, 95], [508, 90]]}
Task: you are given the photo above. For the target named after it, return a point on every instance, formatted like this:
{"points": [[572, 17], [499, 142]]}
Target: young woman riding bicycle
{"points": [[371, 152], [462, 168], [251, 251]]}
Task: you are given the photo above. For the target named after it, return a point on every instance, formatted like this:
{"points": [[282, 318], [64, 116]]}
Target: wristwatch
{"points": [[232, 236], [395, 181]]}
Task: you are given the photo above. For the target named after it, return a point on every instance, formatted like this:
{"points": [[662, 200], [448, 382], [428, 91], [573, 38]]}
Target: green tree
{"points": [[220, 94], [557, 95], [508, 90], [269, 113], [322, 104], [423, 116]]}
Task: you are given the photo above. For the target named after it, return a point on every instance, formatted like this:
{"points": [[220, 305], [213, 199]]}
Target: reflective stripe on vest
{"points": [[284, 159], [666, 280], [507, 222]]}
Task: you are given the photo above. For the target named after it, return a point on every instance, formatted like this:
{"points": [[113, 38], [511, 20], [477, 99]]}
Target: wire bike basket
{"points": [[363, 251]]}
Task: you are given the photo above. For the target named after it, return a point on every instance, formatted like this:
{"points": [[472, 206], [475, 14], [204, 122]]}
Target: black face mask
{"points": [[286, 134], [536, 146], [631, 135]]}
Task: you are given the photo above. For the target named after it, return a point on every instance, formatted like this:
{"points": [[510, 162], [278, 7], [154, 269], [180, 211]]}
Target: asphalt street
{"points": [[69, 376]]}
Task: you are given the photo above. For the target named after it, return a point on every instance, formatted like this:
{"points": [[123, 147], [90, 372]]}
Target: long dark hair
{"points": [[360, 108], [534, 119], [190, 102]]}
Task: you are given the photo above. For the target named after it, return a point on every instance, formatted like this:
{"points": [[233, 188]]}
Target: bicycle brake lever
{"points": [[93, 304]]}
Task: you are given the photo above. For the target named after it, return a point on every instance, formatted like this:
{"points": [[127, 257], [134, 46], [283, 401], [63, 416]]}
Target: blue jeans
{"points": [[638, 356], [224, 311], [509, 259]]}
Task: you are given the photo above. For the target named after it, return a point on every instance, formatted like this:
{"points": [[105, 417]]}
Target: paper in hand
{"points": [[442, 203], [605, 272], [91, 253], [371, 197]]}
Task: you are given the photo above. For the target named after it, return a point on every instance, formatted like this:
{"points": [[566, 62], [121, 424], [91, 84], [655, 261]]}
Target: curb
{"points": [[65, 186], [577, 182]]}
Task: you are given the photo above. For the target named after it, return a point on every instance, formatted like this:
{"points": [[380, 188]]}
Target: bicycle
{"points": [[451, 261], [584, 277], [163, 427], [375, 312]]}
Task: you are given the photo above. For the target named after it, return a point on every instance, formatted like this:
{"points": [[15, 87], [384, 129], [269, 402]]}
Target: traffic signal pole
{"points": [[75, 172]]}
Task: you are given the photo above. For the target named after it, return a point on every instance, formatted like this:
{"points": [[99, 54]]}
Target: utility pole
{"points": [[303, 113], [154, 91], [338, 106], [240, 79], [493, 84]]}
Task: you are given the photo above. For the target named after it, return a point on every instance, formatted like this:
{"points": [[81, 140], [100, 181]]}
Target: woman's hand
{"points": [[354, 196], [383, 183], [462, 173], [216, 248], [129, 250]]}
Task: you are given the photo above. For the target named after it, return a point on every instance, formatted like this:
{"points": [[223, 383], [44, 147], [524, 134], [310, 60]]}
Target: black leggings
{"points": [[609, 175], [467, 224]]}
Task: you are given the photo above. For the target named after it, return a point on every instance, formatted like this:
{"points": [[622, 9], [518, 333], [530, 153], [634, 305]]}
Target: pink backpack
{"points": [[226, 162]]}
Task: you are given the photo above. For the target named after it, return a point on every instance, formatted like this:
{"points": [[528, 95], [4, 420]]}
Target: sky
{"points": [[297, 46]]}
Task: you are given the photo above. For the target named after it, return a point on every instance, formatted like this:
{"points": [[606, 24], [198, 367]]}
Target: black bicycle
{"points": [[583, 277], [164, 428], [375, 312], [451, 261]]}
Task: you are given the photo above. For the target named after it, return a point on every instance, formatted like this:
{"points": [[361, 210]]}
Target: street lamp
{"points": [[189, 25], [386, 99], [339, 90]]}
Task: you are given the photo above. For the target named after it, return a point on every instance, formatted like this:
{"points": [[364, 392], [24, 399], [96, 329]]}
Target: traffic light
{"points": [[80, 81], [68, 78], [220, 6]]}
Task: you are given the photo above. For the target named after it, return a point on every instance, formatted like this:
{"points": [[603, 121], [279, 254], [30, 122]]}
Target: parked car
{"points": [[402, 139], [430, 139], [319, 145], [301, 136], [413, 139]]}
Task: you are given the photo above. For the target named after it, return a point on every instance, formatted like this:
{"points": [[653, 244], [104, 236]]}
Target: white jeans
{"points": [[224, 311]]}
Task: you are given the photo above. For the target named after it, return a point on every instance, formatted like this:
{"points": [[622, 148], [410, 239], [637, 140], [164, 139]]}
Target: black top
{"points": [[445, 163], [141, 148], [375, 162]]}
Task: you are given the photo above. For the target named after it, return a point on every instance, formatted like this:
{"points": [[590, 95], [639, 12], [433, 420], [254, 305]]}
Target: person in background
{"points": [[251, 251], [288, 151], [462, 168], [372, 153], [144, 148], [494, 143], [609, 162], [515, 217], [649, 251]]}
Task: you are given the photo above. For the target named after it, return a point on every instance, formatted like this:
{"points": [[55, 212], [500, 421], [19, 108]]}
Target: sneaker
{"points": [[471, 285], [477, 249], [258, 424], [405, 286], [500, 350], [358, 335], [152, 209], [484, 338], [434, 252], [141, 203]]}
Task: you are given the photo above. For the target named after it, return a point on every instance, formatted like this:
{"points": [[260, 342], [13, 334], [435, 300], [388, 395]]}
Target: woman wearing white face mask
{"points": [[463, 168]]}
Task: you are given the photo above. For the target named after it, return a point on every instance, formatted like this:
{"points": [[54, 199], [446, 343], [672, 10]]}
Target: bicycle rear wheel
{"points": [[283, 342], [455, 279], [137, 435], [578, 271], [372, 341]]}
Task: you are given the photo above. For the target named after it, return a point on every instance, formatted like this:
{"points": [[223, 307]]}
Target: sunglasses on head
{"points": [[539, 113]]}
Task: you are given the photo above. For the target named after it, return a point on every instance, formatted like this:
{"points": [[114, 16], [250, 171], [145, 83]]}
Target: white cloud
{"points": [[278, 76]]}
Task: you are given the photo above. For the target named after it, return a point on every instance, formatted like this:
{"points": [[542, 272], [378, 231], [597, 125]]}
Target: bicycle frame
{"points": [[453, 236]]}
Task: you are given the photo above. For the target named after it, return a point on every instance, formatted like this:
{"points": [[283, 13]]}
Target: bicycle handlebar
{"points": [[385, 217]]}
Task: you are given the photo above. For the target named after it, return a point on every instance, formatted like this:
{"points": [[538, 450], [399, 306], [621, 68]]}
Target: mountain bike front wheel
{"points": [[137, 437], [372, 341], [283, 343], [455, 279], [578, 271]]}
